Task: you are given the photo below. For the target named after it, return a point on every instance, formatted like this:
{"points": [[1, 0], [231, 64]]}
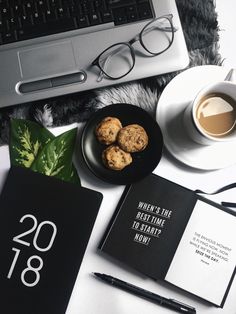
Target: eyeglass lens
{"points": [[157, 36], [117, 60]]}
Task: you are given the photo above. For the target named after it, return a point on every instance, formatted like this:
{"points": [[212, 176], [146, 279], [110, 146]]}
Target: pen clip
{"points": [[188, 307]]}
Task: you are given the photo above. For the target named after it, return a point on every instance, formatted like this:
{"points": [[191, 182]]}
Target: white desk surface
{"points": [[92, 296]]}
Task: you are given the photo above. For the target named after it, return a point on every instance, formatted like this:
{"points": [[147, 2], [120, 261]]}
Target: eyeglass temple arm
{"points": [[164, 29], [169, 17], [101, 75]]}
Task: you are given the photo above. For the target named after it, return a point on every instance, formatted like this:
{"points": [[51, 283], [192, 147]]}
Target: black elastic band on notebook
{"points": [[224, 188]]}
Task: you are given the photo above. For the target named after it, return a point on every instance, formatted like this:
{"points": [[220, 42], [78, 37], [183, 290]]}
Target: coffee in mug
{"points": [[211, 116], [216, 114]]}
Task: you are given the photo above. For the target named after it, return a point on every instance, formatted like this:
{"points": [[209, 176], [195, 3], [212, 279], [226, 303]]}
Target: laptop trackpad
{"points": [[48, 60]]}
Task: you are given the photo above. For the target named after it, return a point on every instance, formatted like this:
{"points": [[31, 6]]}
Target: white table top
{"points": [[92, 296]]}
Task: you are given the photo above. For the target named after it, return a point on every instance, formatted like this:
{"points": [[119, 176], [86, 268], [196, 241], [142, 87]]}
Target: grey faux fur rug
{"points": [[199, 21]]}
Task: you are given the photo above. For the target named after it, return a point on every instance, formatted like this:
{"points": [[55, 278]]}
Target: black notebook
{"points": [[45, 225], [168, 232]]}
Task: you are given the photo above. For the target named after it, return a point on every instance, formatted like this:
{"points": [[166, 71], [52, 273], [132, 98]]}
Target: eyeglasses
{"points": [[118, 60]]}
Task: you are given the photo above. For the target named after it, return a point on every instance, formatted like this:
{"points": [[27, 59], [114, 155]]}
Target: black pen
{"points": [[168, 303]]}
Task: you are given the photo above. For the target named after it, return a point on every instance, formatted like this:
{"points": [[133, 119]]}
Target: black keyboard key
{"points": [[145, 11], [26, 21], [62, 12], [120, 3], [94, 19], [28, 7], [4, 26], [131, 9], [38, 18], [104, 5], [49, 28], [107, 17], [5, 12], [97, 4], [50, 15], [91, 8], [52, 4], [8, 37], [132, 16], [84, 7], [119, 16], [83, 21], [13, 23], [17, 10], [74, 11], [69, 3], [41, 3], [42, 6]]}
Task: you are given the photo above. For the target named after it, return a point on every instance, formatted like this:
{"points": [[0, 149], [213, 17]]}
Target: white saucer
{"points": [[174, 99]]}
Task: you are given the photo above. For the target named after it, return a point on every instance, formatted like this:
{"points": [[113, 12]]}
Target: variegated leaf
{"points": [[27, 139], [55, 158]]}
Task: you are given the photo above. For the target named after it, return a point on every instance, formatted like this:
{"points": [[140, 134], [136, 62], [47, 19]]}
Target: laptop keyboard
{"points": [[27, 19]]}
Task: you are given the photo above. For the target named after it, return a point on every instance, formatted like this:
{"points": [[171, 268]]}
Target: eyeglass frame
{"points": [[138, 37]]}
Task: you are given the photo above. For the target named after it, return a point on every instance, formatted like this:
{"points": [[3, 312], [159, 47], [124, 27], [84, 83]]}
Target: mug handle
{"points": [[230, 77]]}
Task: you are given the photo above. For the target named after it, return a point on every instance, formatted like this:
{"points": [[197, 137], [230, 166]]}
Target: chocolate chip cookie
{"points": [[107, 130], [132, 138], [115, 158]]}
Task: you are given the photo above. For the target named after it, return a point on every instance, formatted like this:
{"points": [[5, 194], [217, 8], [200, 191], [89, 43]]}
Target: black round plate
{"points": [[143, 162]]}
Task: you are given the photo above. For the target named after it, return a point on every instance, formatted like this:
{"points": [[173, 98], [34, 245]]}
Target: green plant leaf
{"points": [[27, 139], [55, 158]]}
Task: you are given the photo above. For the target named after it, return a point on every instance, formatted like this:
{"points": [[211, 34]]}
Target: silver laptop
{"points": [[47, 46]]}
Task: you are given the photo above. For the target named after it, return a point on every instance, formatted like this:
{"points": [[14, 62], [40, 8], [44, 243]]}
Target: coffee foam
{"points": [[213, 106]]}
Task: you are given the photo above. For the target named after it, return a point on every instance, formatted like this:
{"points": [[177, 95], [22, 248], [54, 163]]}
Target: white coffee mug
{"points": [[211, 117]]}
